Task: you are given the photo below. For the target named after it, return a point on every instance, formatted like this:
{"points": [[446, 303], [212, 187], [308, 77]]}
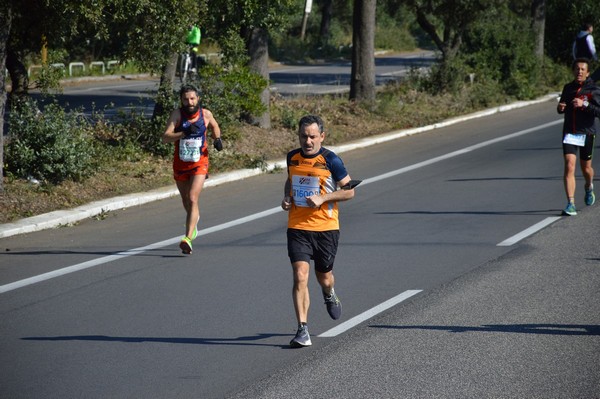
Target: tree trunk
{"points": [[362, 83], [18, 76], [5, 24], [258, 50], [538, 22], [326, 14], [165, 88]]}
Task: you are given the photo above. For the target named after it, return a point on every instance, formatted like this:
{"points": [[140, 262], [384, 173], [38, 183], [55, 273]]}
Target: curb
{"points": [[66, 217]]}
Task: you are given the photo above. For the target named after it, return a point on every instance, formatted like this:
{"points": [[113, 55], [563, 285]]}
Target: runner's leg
{"points": [[569, 176], [300, 292]]}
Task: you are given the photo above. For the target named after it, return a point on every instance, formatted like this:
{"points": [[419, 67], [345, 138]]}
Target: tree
{"points": [[446, 22], [326, 15], [538, 22], [5, 25], [566, 17], [362, 83], [251, 24], [258, 50], [148, 32], [56, 21], [157, 29]]}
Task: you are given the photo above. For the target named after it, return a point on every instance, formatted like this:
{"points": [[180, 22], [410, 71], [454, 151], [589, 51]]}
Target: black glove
{"points": [[218, 144]]}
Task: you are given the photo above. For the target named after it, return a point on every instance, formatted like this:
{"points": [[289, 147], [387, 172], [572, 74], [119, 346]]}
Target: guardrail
{"points": [[76, 65], [207, 56], [104, 66], [98, 63], [112, 64]]}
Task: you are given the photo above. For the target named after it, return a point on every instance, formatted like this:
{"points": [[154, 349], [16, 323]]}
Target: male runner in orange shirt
{"points": [[311, 195]]}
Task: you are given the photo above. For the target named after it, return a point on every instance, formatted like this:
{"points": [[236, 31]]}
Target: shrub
{"points": [[500, 47], [134, 129], [231, 94], [390, 35], [52, 146]]}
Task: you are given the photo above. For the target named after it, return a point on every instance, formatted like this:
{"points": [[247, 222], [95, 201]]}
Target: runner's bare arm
{"points": [[338, 195], [212, 124], [286, 203], [170, 135]]}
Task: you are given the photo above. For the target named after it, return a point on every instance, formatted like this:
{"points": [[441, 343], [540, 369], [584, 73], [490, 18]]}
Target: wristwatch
{"points": [[585, 103]]}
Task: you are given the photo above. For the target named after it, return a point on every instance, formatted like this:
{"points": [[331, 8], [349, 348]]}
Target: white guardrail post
{"points": [[32, 68], [60, 66], [97, 63], [75, 64], [72, 65], [111, 64]]}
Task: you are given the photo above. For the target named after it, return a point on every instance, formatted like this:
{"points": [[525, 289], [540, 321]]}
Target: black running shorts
{"points": [[320, 246], [586, 152]]}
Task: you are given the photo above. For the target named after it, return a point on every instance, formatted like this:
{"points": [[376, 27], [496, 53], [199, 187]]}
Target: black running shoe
{"points": [[302, 337], [334, 306]]}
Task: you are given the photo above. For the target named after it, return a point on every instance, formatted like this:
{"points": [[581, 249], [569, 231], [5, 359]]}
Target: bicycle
{"points": [[186, 71]]}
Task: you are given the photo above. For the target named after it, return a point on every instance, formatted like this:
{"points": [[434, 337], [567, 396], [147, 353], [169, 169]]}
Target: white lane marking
{"points": [[368, 314], [457, 153], [527, 232], [131, 252], [85, 265], [120, 255]]}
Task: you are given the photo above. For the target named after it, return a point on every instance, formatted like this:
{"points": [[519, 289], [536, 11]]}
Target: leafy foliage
{"points": [[229, 22], [231, 93], [563, 21], [499, 47], [51, 146], [157, 28], [391, 34], [489, 40]]}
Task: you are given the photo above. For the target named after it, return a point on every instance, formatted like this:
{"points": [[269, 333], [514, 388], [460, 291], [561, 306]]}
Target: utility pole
{"points": [[307, 8]]}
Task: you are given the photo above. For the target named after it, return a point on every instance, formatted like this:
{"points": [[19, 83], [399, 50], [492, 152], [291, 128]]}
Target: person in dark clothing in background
{"points": [[580, 103]]}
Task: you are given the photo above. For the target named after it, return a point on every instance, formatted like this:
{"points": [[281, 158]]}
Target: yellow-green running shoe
{"points": [[186, 245]]}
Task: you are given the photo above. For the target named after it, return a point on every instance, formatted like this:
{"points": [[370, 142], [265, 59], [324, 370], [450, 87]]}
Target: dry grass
{"points": [[345, 121]]}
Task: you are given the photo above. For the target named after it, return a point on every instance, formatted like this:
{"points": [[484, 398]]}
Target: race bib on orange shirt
{"points": [[303, 187], [190, 149]]}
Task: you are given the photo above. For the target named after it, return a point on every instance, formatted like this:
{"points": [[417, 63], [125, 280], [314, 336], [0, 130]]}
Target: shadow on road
{"points": [[244, 341]]}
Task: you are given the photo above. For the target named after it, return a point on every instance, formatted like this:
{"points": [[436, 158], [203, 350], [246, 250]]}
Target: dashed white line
{"points": [[527, 232], [368, 314]]}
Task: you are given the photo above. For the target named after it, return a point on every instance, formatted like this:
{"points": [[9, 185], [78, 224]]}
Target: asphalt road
{"points": [[113, 96], [478, 310], [331, 78]]}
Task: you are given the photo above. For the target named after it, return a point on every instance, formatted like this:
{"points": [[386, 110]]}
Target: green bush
{"points": [[231, 94], [136, 131], [500, 47], [389, 35], [449, 76], [52, 146]]}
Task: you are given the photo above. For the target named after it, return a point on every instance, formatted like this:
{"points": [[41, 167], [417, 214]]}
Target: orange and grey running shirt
{"points": [[317, 174]]}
